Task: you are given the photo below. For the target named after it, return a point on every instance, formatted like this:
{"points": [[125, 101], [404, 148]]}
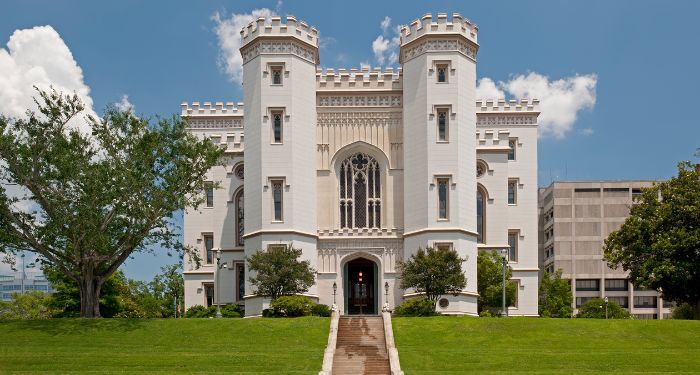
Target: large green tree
{"points": [[434, 272], [595, 309], [555, 296], [489, 275], [279, 272], [659, 243], [87, 202]]}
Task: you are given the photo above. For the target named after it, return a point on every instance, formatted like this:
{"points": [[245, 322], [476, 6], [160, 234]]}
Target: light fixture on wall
{"points": [[335, 288]]}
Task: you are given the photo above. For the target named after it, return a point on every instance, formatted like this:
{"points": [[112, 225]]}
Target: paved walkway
{"points": [[361, 348]]}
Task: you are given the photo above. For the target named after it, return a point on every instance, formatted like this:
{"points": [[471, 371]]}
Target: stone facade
{"points": [[359, 167], [575, 220]]}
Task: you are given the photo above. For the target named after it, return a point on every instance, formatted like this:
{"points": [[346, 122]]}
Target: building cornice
{"points": [[279, 231], [439, 230]]}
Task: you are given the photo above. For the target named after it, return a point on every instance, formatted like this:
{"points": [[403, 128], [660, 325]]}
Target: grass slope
{"points": [[163, 346], [457, 345]]}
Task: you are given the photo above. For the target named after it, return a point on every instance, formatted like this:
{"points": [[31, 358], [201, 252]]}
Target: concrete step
{"points": [[360, 347]]}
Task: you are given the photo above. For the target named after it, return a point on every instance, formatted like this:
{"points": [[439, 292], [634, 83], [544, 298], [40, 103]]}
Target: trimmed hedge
{"points": [[416, 307]]}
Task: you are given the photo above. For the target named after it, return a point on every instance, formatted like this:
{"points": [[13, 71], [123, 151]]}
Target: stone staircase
{"points": [[361, 347]]}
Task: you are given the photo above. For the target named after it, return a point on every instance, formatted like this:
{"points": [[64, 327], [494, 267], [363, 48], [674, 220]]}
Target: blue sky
{"points": [[642, 55]]}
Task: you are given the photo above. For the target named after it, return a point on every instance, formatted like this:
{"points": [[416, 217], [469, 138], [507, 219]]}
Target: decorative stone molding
{"points": [[359, 101], [291, 29], [364, 79], [333, 252], [440, 45], [278, 47], [214, 123], [491, 119]]}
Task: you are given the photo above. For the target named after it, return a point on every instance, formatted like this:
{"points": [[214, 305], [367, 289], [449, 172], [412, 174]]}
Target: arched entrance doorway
{"points": [[361, 285]]}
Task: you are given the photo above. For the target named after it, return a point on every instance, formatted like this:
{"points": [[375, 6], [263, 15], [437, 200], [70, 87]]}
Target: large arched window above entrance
{"points": [[238, 200], [480, 215], [360, 192]]}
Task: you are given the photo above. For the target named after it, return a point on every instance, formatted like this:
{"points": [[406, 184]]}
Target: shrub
{"points": [[231, 311], [595, 309], [683, 311], [416, 307], [291, 306], [486, 314], [198, 311], [320, 309]]}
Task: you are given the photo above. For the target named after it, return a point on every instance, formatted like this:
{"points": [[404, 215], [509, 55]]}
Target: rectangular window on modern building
{"points": [[511, 148], [277, 124], [583, 285], [209, 191], [208, 248], [582, 300], [615, 284], [277, 199], [512, 191], [443, 198], [644, 302], [621, 301], [513, 246], [645, 316], [442, 125]]}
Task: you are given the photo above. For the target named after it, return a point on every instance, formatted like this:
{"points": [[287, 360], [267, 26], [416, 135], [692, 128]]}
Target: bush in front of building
{"points": [[595, 309], [486, 314], [232, 311], [683, 311], [320, 309], [291, 306], [416, 307], [198, 311]]}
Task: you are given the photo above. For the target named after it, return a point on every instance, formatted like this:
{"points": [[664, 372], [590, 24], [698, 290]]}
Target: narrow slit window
{"points": [[277, 127], [277, 75], [442, 73], [277, 199], [209, 190], [443, 198], [513, 246], [511, 149], [512, 192], [209, 248], [442, 125]]}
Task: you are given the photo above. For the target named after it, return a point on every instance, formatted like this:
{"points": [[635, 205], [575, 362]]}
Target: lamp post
{"points": [[335, 288], [504, 262], [386, 296], [219, 266], [606, 307]]}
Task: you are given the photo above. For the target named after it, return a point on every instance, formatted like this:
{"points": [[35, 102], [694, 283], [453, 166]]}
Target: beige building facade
{"points": [[360, 168], [575, 219]]}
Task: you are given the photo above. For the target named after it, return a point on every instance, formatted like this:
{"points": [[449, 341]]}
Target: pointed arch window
{"points": [[360, 192], [480, 215], [238, 199]]}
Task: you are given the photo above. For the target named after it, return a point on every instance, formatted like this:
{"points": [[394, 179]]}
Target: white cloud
{"points": [[38, 57], [385, 47], [560, 100], [124, 104], [228, 34], [385, 24]]}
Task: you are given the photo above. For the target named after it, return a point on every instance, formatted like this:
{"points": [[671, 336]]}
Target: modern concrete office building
{"points": [[360, 168], [575, 219], [22, 283]]}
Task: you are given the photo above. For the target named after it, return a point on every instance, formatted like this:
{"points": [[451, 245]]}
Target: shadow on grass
{"points": [[72, 326]]}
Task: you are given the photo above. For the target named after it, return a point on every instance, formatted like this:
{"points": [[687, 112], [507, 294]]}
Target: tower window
{"points": [[511, 149], [513, 246], [442, 125], [240, 218], [276, 75], [443, 198], [277, 199], [209, 248], [442, 73], [512, 192], [480, 219], [277, 127], [209, 191]]}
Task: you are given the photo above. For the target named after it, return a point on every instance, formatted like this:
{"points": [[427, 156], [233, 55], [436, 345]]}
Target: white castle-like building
{"points": [[361, 168]]}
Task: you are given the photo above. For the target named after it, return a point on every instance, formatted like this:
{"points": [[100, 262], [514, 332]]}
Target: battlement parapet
{"points": [[359, 79], [426, 25], [299, 30], [207, 109], [502, 106]]}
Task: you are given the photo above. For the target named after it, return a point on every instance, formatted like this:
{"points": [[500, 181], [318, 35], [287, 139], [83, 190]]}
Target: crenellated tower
{"points": [[439, 69], [279, 77]]}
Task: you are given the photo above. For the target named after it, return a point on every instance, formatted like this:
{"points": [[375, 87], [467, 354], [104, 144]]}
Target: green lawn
{"points": [[457, 345], [163, 346]]}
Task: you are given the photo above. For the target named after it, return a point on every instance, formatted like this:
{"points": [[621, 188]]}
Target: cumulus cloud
{"points": [[38, 57], [385, 46], [560, 100], [228, 31], [124, 105]]}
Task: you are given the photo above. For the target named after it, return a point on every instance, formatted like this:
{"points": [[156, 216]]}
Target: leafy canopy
{"points": [[555, 296], [489, 271], [659, 243], [435, 272], [86, 202], [279, 272], [595, 309]]}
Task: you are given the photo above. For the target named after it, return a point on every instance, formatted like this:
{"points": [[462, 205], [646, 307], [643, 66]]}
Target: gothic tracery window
{"points": [[239, 218], [360, 192]]}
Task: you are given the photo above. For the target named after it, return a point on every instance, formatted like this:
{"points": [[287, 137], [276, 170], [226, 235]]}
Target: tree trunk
{"points": [[89, 296], [697, 310]]}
